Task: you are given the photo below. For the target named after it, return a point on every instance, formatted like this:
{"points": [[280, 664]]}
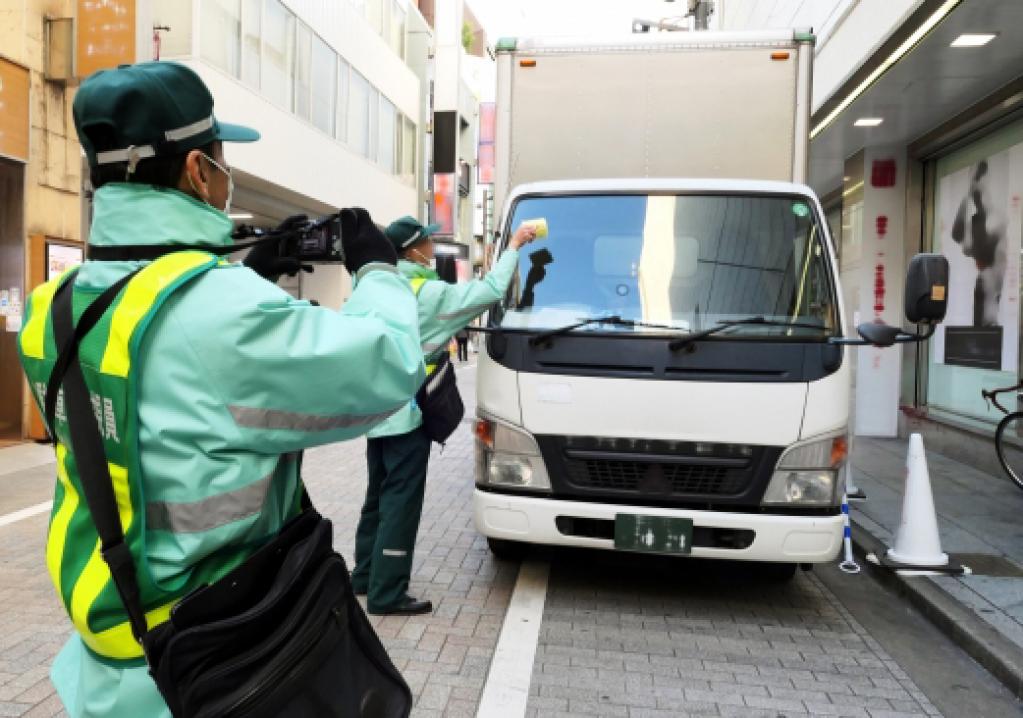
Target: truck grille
{"points": [[657, 478]]}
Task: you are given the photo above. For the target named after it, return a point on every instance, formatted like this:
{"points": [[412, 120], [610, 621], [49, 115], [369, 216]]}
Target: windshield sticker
{"points": [[800, 210]]}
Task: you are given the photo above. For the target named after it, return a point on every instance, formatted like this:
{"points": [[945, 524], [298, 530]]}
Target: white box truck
{"points": [[667, 372]]}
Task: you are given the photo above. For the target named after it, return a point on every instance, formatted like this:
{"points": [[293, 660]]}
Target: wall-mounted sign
{"points": [[60, 258], [14, 84], [106, 35]]}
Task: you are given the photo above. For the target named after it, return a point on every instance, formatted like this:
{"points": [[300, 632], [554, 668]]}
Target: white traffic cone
{"points": [[917, 543]]}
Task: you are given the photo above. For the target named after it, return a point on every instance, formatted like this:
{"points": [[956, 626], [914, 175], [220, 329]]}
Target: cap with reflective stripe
{"points": [[147, 110]]}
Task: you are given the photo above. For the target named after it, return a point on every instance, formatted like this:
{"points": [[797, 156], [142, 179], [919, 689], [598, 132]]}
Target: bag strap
{"points": [[69, 351], [87, 447]]}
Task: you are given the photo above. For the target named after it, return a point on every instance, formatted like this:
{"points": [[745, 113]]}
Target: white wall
{"points": [[849, 31], [295, 155]]}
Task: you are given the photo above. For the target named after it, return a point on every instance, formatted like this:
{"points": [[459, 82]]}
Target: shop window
{"points": [[976, 225], [278, 53], [221, 33], [252, 11], [303, 70], [324, 85]]}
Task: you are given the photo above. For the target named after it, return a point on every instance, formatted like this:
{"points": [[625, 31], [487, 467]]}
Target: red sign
{"points": [[882, 226], [879, 289], [882, 173]]}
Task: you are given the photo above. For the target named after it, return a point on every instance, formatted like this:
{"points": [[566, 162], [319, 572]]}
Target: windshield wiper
{"points": [[681, 342], [614, 320]]}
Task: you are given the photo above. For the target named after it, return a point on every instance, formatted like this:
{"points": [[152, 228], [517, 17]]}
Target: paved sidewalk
{"points": [[979, 519]]}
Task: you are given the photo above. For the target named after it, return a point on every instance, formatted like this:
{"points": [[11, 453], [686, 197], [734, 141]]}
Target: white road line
{"points": [[506, 691], [25, 513]]}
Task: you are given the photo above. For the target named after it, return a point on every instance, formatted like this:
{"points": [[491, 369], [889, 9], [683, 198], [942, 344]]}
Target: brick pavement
{"points": [[622, 635], [445, 656], [655, 638]]}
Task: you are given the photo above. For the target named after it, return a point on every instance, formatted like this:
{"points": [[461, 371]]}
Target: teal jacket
{"points": [[236, 374], [443, 310]]}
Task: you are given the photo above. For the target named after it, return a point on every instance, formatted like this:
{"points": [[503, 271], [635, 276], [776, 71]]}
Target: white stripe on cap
{"points": [[143, 151], [189, 130]]}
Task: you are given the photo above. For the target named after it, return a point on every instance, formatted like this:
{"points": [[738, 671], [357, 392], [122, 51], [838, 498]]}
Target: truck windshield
{"points": [[686, 262]]}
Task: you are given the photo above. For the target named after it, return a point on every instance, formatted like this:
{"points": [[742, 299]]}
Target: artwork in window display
{"points": [[978, 230]]}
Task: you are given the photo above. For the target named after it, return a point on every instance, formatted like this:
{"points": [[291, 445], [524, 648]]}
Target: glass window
{"points": [[324, 85], [278, 53], [303, 70], [976, 197], [221, 34], [388, 117], [397, 38], [358, 114], [251, 23], [683, 261], [375, 15], [408, 151], [374, 122], [341, 126]]}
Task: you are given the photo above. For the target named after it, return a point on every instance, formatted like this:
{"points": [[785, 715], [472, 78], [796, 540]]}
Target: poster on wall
{"points": [[978, 230], [60, 258]]}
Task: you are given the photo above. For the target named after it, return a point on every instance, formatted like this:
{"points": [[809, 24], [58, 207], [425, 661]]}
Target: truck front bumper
{"points": [[533, 519]]}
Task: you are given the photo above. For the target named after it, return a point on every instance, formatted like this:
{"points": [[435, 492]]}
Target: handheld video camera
{"points": [[316, 241]]}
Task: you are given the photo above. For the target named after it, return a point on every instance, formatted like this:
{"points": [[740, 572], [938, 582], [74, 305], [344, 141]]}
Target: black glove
{"points": [[363, 242], [266, 259]]}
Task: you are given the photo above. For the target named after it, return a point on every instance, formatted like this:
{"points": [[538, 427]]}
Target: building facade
{"points": [[917, 146], [342, 92]]}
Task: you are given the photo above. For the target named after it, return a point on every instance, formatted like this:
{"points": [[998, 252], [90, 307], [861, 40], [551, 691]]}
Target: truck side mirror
{"points": [[880, 335], [926, 289]]}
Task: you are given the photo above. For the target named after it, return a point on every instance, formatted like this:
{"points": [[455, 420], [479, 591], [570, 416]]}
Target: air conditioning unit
{"points": [[60, 49]]}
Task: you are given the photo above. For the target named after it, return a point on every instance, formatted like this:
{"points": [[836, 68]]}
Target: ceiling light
{"points": [[868, 122], [974, 39], [240, 215], [929, 24]]}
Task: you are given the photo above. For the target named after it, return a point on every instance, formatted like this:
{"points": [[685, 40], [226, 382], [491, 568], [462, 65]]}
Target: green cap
{"points": [[150, 109], [406, 231]]}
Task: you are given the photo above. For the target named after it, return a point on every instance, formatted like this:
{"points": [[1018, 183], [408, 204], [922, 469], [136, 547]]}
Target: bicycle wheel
{"points": [[1010, 458]]}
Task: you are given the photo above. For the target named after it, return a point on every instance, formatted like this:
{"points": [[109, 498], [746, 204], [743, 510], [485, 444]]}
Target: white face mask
{"points": [[431, 262], [230, 183]]}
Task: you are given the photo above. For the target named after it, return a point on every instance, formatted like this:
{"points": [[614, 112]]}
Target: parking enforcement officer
{"points": [[398, 449], [206, 378]]}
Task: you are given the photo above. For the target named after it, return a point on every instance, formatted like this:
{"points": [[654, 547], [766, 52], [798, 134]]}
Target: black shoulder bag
{"points": [[439, 401], [280, 635]]}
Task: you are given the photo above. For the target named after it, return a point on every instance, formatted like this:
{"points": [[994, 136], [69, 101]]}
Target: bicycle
{"points": [[1009, 420]]}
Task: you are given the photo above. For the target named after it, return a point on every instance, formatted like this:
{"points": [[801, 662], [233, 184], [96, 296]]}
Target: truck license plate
{"points": [[653, 534]]}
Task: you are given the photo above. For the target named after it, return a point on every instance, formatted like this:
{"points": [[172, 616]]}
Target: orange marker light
{"points": [[779, 56], [839, 450], [485, 432], [527, 63]]}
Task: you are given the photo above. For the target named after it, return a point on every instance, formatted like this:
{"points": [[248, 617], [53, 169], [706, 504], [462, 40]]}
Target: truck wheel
{"points": [[779, 572], [506, 550]]}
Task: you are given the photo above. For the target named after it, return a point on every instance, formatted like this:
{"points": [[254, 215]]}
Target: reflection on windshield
{"points": [[684, 261]]}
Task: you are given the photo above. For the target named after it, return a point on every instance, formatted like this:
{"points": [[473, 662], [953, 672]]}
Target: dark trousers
{"points": [[386, 537], [463, 349]]}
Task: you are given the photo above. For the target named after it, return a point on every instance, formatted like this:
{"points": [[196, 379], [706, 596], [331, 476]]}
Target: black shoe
{"points": [[408, 607]]}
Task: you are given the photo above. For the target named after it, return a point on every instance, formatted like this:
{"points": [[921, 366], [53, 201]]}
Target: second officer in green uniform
{"points": [[398, 450]]}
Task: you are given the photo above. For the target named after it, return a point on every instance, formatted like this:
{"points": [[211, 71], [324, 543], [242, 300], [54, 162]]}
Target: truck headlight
{"points": [[508, 457], [809, 473]]}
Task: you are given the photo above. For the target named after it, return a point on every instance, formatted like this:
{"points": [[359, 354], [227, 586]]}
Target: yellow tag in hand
{"points": [[540, 225]]}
